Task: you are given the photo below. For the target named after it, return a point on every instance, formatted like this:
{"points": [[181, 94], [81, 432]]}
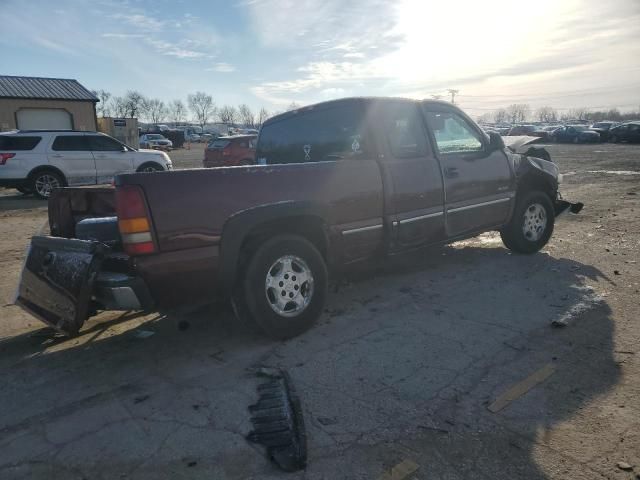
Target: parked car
{"points": [[230, 151], [522, 130], [626, 132], [38, 161], [603, 129], [574, 134], [155, 140], [340, 182], [545, 132]]}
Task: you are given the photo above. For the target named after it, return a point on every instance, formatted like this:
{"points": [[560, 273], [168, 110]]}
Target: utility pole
{"points": [[453, 93]]}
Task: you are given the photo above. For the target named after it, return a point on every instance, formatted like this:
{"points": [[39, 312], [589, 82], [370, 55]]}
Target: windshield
{"points": [[155, 137]]}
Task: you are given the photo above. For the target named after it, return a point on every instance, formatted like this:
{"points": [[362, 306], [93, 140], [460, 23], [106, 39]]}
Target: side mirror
{"points": [[495, 141]]}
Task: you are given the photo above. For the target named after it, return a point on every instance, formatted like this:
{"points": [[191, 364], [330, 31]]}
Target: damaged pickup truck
{"points": [[336, 183]]}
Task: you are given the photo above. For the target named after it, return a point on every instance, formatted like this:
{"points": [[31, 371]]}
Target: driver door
{"points": [[478, 182]]}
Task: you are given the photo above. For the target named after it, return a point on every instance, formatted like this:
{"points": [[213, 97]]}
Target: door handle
{"points": [[451, 172]]}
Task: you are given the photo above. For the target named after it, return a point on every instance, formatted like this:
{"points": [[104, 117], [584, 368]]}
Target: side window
{"points": [[453, 133], [405, 133], [104, 144], [70, 143], [18, 143], [332, 133]]}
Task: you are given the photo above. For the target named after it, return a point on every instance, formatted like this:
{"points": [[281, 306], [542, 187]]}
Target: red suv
{"points": [[230, 151]]}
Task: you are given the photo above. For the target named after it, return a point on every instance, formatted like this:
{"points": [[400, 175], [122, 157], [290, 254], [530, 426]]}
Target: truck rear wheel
{"points": [[285, 286], [532, 223]]}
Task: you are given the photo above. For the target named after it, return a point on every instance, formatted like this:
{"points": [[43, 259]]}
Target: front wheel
{"points": [[44, 182], [532, 223], [285, 286]]}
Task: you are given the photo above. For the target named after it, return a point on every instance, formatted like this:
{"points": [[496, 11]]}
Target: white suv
{"points": [[38, 161]]}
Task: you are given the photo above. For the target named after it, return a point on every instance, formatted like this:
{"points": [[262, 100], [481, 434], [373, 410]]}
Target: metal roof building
{"points": [[45, 103]]}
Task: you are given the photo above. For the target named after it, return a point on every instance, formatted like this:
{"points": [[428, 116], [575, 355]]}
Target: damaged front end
{"points": [[535, 168]]}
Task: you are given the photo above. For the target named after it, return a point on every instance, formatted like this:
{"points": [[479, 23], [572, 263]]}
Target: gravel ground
{"points": [[410, 362]]}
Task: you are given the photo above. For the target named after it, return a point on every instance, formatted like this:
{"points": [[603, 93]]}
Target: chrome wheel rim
{"points": [[535, 222], [289, 286], [45, 184], [149, 169]]}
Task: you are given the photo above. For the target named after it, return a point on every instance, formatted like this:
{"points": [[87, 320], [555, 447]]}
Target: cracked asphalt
{"points": [[402, 366]]}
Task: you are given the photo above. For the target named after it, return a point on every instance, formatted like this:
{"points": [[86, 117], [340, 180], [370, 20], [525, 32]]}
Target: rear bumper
{"points": [[119, 291]]}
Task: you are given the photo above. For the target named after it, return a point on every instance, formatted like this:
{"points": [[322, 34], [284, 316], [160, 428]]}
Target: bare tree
{"points": [[228, 115], [156, 110], [578, 113], [177, 111], [136, 103], [202, 107], [292, 106], [518, 112], [120, 107], [102, 108], [500, 116], [263, 114], [484, 118], [546, 114], [247, 118]]}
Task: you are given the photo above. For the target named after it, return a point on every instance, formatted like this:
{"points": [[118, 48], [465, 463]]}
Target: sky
{"points": [[270, 53]]}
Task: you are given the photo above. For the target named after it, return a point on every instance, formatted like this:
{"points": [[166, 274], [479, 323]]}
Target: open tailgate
{"points": [[57, 281]]}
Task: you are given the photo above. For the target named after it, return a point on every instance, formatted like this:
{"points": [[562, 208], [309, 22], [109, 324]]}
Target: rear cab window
{"points": [[404, 130], [70, 143], [326, 133], [18, 143]]}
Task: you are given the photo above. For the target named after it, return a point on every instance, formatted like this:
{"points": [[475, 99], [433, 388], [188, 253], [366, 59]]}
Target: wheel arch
{"points": [[244, 230], [149, 163], [47, 168]]}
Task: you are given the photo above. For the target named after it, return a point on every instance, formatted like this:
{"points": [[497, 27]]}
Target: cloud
{"points": [[221, 67], [328, 29], [172, 50], [122, 35], [140, 21]]}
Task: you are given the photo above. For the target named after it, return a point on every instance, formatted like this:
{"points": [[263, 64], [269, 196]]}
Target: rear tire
{"points": [[532, 223], [43, 182], [285, 286]]}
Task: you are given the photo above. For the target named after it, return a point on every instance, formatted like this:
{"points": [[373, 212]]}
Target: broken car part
{"points": [[278, 423]]}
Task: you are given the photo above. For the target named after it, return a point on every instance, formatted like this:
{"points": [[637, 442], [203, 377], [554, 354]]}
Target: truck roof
{"points": [[362, 100]]}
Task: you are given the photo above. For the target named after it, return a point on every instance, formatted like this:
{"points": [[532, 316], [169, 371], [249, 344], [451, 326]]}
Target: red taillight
{"points": [[134, 221], [6, 156]]}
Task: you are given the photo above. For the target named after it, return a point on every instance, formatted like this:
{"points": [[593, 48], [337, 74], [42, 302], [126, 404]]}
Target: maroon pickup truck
{"points": [[336, 183]]}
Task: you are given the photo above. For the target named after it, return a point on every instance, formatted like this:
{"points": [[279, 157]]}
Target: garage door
{"points": [[44, 119]]}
